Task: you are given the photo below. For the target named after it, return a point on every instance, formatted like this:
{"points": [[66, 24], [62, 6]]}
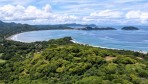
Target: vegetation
{"points": [[130, 28], [74, 63], [63, 62], [7, 29], [2, 61]]}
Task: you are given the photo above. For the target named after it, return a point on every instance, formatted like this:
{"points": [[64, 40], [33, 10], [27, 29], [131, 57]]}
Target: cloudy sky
{"points": [[102, 12]]}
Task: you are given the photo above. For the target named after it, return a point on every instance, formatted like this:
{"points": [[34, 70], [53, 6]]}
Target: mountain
{"points": [[7, 29], [74, 24], [52, 27], [13, 28]]}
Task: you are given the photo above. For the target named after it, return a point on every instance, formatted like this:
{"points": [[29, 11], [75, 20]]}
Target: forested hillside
{"points": [[69, 63], [63, 62], [7, 29]]}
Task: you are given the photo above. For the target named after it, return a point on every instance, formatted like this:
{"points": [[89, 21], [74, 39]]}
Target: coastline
{"points": [[10, 37], [143, 52], [14, 38], [15, 35]]}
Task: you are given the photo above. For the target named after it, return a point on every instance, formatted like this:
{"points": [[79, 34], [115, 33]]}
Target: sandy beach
{"points": [[12, 37]]}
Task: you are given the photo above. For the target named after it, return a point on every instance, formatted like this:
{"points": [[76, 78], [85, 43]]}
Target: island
{"points": [[130, 28], [96, 28]]}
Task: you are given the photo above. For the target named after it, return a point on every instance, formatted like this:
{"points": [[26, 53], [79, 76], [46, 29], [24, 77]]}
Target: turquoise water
{"points": [[119, 39]]}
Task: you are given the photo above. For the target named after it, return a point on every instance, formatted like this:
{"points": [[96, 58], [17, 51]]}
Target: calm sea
{"points": [[119, 39]]}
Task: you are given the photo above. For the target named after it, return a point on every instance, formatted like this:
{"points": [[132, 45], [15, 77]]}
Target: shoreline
{"points": [[14, 38], [10, 37], [143, 52]]}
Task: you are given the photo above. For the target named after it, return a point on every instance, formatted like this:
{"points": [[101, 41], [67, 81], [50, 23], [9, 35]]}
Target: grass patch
{"points": [[2, 61], [110, 58]]}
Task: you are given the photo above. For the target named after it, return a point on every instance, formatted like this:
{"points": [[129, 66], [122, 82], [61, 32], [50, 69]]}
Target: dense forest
{"points": [[64, 62]]}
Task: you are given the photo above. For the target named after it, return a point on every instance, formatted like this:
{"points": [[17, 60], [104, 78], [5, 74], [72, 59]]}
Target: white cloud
{"points": [[107, 14], [44, 14], [144, 16], [47, 15], [104, 16], [57, 19], [117, 17], [10, 12], [125, 1], [141, 16], [133, 14]]}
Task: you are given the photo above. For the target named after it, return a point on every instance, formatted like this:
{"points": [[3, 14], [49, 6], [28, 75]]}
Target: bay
{"points": [[118, 39]]}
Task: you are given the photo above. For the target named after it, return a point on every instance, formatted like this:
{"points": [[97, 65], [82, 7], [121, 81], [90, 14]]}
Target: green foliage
{"points": [[91, 80], [125, 60], [74, 63], [7, 29], [2, 61]]}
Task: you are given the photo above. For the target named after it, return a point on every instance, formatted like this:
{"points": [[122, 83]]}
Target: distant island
{"points": [[96, 28], [130, 28]]}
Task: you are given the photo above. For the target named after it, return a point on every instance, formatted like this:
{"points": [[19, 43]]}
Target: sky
{"points": [[100, 12]]}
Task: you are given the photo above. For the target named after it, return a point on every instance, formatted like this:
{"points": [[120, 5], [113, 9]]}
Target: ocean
{"points": [[136, 40]]}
